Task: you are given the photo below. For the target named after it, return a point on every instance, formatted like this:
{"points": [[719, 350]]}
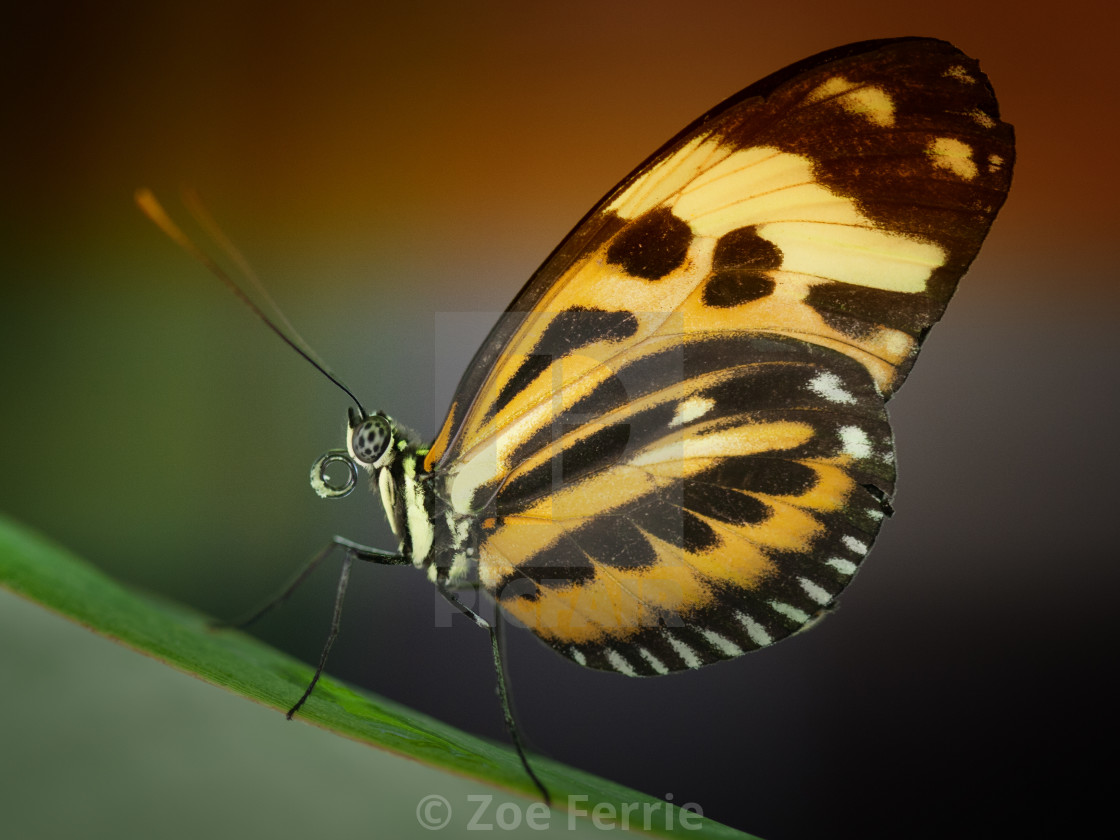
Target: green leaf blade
{"points": [[39, 571]]}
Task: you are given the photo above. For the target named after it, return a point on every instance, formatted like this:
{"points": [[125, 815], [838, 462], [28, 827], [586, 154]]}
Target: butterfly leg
{"points": [[362, 552], [496, 645], [352, 551]]}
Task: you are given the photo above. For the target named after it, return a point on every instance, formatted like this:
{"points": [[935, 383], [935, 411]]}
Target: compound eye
{"points": [[370, 439]]}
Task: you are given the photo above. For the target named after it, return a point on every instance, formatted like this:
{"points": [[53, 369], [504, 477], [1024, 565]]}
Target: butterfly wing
{"points": [[674, 445]]}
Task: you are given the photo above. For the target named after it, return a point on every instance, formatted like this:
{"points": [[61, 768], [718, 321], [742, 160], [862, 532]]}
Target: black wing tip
{"points": [[768, 84]]}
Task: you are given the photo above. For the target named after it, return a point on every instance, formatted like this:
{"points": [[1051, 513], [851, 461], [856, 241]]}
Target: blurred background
{"points": [[395, 173]]}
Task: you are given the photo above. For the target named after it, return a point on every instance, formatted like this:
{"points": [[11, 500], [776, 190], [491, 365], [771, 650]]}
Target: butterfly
{"points": [[673, 448]]}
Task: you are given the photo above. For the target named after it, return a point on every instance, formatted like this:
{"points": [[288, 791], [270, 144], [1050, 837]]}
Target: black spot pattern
{"points": [[530, 369], [371, 439], [653, 246], [616, 542], [859, 311], [661, 517], [725, 505], [772, 387], [578, 327], [558, 566], [568, 331], [769, 476], [739, 267], [767, 370], [595, 452]]}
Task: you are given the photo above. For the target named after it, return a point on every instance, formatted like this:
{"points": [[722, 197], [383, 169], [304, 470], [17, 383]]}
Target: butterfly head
{"points": [[370, 440], [371, 444], [391, 454]]}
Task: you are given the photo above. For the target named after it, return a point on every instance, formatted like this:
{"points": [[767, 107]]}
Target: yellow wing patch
{"points": [[954, 155], [870, 102]]}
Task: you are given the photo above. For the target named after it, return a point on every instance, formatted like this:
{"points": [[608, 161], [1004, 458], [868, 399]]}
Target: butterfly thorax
{"points": [[429, 531]]}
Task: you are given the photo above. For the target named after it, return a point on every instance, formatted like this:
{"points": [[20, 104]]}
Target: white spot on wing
{"points": [[855, 442], [755, 631], [898, 344], [981, 119], [721, 643], [619, 663], [577, 656], [844, 567], [691, 409], [653, 661], [790, 611], [960, 74], [855, 545], [829, 386], [954, 155], [814, 591], [690, 657]]}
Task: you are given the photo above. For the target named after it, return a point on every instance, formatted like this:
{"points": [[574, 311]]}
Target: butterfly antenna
{"points": [[151, 208], [206, 221]]}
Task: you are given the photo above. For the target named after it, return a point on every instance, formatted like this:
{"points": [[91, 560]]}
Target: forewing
{"points": [[839, 201]]}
